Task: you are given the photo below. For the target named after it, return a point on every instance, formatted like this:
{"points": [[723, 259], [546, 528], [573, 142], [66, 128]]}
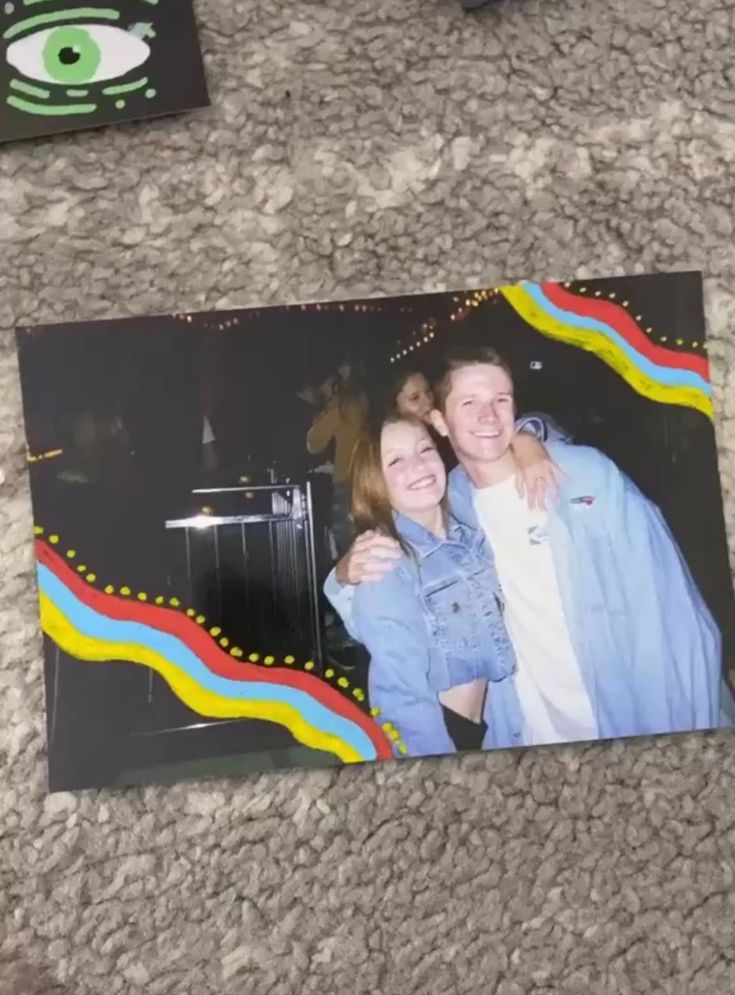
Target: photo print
{"points": [[72, 64], [351, 531]]}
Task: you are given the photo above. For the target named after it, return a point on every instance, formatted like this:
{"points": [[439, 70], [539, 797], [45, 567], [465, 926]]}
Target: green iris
{"points": [[71, 55]]}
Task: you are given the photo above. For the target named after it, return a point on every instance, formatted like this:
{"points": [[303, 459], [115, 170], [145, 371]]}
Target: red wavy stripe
{"points": [[176, 623], [621, 321]]}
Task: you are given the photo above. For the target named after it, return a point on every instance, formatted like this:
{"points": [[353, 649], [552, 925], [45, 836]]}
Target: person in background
{"points": [[410, 393], [339, 423]]}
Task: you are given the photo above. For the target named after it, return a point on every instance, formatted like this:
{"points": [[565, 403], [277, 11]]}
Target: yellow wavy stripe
{"points": [[607, 351], [59, 628]]}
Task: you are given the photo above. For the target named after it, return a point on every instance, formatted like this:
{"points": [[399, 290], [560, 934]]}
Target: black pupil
{"points": [[68, 56]]}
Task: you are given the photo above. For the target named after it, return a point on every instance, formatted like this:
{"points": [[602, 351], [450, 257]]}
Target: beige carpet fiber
{"points": [[370, 147]]}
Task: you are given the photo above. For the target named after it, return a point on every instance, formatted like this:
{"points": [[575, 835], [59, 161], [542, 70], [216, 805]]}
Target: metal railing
{"points": [[265, 533]]}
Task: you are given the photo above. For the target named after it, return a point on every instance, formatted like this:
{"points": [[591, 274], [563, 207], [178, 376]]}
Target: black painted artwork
{"points": [[71, 64]]}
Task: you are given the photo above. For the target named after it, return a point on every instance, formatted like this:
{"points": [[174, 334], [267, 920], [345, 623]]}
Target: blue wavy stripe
{"points": [[670, 376], [97, 626]]}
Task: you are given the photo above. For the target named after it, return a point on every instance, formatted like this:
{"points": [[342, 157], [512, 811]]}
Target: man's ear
{"points": [[437, 420]]}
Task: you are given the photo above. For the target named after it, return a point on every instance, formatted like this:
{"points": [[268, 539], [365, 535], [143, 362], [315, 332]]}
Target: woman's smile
{"points": [[422, 483]]}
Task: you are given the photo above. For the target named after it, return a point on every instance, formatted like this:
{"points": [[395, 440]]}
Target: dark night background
{"points": [[144, 385], [174, 69]]}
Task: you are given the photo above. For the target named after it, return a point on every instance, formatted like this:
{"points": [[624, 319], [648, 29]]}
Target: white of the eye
{"points": [[120, 52]]}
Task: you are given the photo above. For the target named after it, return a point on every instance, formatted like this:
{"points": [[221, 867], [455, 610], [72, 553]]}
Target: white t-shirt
{"points": [[554, 701]]}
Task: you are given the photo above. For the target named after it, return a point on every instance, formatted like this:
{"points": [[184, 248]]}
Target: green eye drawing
{"points": [[71, 55], [78, 54]]}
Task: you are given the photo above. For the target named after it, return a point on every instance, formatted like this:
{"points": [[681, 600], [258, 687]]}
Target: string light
{"points": [[51, 454], [474, 300], [421, 337], [646, 329]]}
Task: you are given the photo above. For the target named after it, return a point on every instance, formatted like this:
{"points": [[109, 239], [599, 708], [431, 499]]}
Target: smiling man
{"points": [[610, 633]]}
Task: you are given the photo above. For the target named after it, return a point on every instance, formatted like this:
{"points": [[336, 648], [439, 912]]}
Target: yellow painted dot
{"points": [[289, 660], [159, 599], [142, 596], [125, 591], [254, 657], [387, 726], [613, 295], [625, 303], [224, 641], [269, 660], [81, 568], [71, 553], [53, 539], [393, 734], [329, 672], [680, 341], [649, 330], [583, 290], [343, 682], [402, 748], [190, 612], [236, 651], [695, 344], [663, 338], [38, 530], [374, 712], [91, 578], [309, 665], [174, 602], [109, 589], [215, 631], [356, 693], [200, 619]]}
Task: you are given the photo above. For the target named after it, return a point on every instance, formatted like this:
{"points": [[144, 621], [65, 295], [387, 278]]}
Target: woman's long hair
{"points": [[371, 507]]}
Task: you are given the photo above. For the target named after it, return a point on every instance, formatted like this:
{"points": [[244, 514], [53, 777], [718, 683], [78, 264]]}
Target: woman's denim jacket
{"points": [[432, 623]]}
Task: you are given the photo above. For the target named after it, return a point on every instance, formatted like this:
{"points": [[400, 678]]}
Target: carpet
{"points": [[364, 148]]}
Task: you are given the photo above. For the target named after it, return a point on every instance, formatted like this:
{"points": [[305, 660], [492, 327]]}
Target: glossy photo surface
{"points": [[203, 484]]}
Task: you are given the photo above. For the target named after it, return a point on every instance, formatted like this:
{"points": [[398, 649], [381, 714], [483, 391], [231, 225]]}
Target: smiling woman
{"points": [[433, 626]]}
